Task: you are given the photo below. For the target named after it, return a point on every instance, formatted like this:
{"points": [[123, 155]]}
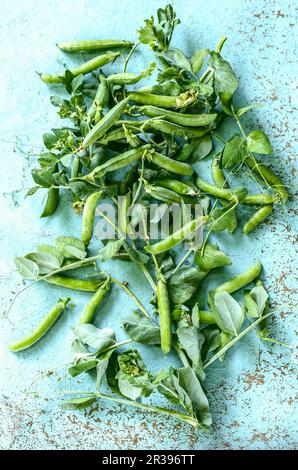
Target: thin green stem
{"points": [[132, 295]]}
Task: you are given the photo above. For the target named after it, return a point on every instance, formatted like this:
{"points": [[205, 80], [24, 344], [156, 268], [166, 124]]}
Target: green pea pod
{"points": [[105, 123], [85, 285], [191, 120], [259, 199], [100, 101], [169, 164], [95, 302], [86, 67], [120, 161], [175, 185], [257, 218], [163, 194], [123, 218], [165, 320], [92, 45], [164, 101], [175, 129], [51, 202], [42, 328], [241, 280], [268, 177], [88, 217], [177, 237]]}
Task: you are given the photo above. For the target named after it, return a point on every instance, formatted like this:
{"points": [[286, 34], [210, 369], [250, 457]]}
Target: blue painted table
{"points": [[252, 394]]}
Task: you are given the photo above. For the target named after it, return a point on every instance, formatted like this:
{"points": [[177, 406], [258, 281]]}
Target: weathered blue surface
{"points": [[252, 394]]}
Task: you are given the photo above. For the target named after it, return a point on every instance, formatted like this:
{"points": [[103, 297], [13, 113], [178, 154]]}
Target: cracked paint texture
{"points": [[253, 394]]}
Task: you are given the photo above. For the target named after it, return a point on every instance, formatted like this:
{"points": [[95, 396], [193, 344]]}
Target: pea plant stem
{"points": [[132, 295], [151, 408]]}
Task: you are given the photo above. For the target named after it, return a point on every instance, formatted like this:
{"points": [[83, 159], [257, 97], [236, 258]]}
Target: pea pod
{"points": [[257, 218], [42, 328], [112, 136], [259, 199], [175, 185], [74, 283], [169, 164], [191, 120], [177, 237], [51, 202], [100, 101], [105, 123], [88, 217], [86, 67], [208, 317], [127, 78], [209, 188], [165, 320], [175, 130], [92, 45], [268, 176], [155, 100], [95, 302], [220, 181], [241, 280], [120, 161]]}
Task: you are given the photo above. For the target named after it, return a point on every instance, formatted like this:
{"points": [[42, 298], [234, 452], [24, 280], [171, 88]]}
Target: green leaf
{"points": [[79, 403], [203, 147], [230, 313], [189, 381], [32, 191], [183, 284], [96, 338], [133, 378], [258, 142], [197, 59], [110, 250], [45, 261], [212, 341], [234, 152], [102, 364], [212, 258], [255, 301], [71, 247], [175, 58], [49, 140], [27, 269], [142, 329], [222, 218], [52, 250]]}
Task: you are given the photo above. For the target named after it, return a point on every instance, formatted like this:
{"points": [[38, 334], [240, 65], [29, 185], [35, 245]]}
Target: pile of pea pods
{"points": [[142, 145]]}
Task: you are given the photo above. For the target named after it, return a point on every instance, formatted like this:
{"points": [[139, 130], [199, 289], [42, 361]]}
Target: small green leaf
{"points": [[203, 147], [225, 80], [96, 338], [255, 301], [183, 284], [110, 250], [258, 142], [230, 313], [45, 261], [246, 109], [197, 59], [27, 269], [82, 367], [79, 403], [234, 152]]}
